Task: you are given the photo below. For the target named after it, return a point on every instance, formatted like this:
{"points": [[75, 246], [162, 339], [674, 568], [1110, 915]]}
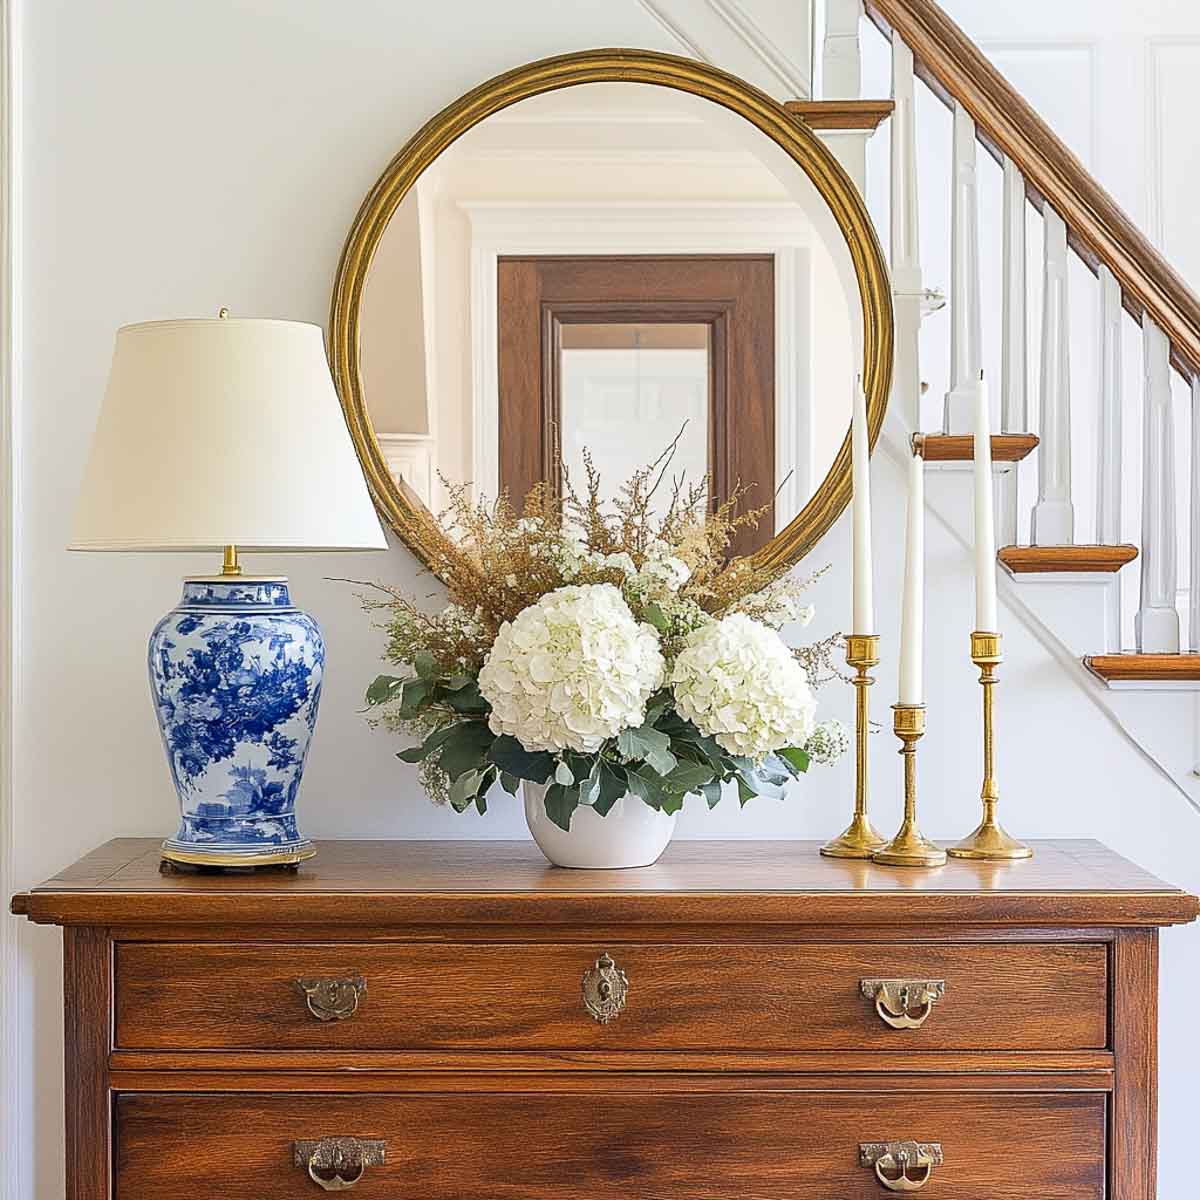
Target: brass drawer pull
{"points": [[901, 1166], [605, 988], [904, 1003], [331, 999], [338, 1163]]}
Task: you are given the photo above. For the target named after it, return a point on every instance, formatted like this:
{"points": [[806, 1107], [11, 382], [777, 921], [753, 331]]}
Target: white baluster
{"points": [[907, 291], [1194, 526], [966, 349], [1014, 390], [841, 62], [1054, 514], [1157, 622], [1108, 489]]}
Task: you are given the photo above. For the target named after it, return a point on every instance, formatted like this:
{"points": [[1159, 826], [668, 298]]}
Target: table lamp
{"points": [[225, 436]]}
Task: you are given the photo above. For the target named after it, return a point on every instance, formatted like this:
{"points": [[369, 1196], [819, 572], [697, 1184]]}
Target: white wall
{"points": [[182, 155]]}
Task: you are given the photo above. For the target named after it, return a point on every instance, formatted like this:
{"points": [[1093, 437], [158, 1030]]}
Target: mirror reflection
{"points": [[612, 267]]}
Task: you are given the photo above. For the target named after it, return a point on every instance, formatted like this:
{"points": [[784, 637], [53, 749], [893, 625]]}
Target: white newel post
{"points": [[907, 290], [1054, 514], [841, 60], [1014, 389], [1108, 475], [1157, 622], [966, 349]]}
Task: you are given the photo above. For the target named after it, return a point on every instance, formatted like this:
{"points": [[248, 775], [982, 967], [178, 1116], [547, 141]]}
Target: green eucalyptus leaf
{"points": [[688, 777], [646, 786], [467, 700], [464, 790], [456, 683], [745, 792], [613, 785], [414, 696], [672, 802], [589, 788], [414, 754], [383, 688], [510, 783], [561, 802], [711, 791], [426, 665], [796, 757], [656, 617], [564, 775], [509, 755], [647, 745], [465, 749]]}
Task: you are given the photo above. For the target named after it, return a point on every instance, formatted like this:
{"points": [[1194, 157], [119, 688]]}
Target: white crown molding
{"points": [[500, 227], [13, 1161]]}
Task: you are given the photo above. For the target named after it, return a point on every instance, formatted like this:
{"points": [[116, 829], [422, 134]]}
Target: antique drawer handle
{"points": [[338, 1163], [605, 987], [901, 1166], [331, 999], [904, 1003]]}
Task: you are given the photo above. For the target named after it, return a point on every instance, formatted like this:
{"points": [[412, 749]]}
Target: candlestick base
{"points": [[860, 839], [989, 841], [909, 848]]}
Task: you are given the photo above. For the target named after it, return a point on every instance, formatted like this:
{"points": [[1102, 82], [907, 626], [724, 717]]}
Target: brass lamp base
{"points": [[860, 839], [909, 848]]}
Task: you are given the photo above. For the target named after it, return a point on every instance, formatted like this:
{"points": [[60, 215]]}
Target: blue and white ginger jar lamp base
{"points": [[235, 672]]}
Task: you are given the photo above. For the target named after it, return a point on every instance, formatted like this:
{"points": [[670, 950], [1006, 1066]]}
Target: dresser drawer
{"points": [[749, 997], [653, 1145]]}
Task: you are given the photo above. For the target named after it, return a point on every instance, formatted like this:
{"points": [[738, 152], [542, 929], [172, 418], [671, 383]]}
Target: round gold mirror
{"points": [[614, 251]]}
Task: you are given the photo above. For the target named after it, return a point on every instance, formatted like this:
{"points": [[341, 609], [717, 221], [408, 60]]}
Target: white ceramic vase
{"points": [[632, 834]]}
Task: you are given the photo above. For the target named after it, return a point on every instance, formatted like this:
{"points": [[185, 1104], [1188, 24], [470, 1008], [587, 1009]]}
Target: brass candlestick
{"points": [[861, 839], [989, 840], [909, 848]]}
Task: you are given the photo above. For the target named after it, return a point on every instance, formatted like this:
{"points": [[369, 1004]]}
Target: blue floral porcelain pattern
{"points": [[235, 673]]}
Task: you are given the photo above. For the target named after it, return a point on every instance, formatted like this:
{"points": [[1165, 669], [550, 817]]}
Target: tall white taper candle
{"points": [[985, 525], [912, 621], [864, 601]]}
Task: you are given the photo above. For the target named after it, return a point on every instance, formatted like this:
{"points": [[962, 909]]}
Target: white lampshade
{"points": [[223, 432]]}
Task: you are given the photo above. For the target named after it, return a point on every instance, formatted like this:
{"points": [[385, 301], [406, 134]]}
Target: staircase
{"points": [[1070, 594]]}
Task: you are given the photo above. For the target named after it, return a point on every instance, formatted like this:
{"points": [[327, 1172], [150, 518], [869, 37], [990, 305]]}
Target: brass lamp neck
{"points": [[230, 565]]}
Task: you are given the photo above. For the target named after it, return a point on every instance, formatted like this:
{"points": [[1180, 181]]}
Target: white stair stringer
{"points": [[1070, 615]]}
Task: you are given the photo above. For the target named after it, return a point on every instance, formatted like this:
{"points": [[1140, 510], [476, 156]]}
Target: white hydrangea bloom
{"points": [[571, 671], [737, 681]]}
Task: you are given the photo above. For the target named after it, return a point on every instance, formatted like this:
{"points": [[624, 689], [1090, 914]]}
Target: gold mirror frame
{"points": [[399, 505]]}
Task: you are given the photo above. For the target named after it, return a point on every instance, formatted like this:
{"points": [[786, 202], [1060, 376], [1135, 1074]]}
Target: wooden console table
{"points": [[450, 1020]]}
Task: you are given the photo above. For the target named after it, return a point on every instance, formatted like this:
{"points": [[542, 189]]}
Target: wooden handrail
{"points": [[1099, 231]]}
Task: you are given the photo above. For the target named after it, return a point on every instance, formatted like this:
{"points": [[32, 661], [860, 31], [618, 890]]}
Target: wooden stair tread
{"points": [[1181, 668], [960, 447], [1033, 560], [841, 114]]}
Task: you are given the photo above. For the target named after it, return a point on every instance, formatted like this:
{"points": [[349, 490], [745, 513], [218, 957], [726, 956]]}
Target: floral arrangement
{"points": [[601, 650]]}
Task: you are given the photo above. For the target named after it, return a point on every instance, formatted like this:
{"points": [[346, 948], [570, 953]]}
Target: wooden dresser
{"points": [[459, 1021]]}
